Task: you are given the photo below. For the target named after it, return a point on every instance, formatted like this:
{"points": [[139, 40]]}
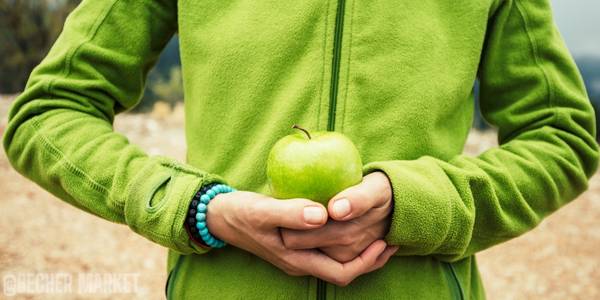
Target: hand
{"points": [[251, 222], [361, 214]]}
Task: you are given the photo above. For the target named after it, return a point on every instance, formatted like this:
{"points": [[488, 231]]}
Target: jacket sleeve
{"points": [[60, 131], [532, 91]]}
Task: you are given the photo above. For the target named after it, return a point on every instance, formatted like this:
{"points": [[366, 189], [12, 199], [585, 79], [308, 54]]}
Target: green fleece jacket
{"points": [[394, 76]]}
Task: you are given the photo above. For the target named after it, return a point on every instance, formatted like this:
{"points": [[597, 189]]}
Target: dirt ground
{"points": [[40, 234]]}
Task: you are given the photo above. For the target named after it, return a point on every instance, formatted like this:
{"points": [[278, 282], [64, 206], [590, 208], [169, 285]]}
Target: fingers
{"points": [[355, 201], [315, 263], [333, 234], [341, 254], [297, 214], [384, 257], [326, 268]]}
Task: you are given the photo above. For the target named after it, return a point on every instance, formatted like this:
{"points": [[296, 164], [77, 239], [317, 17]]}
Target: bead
{"points": [[204, 199], [211, 193], [207, 187], [205, 237], [196, 219]]}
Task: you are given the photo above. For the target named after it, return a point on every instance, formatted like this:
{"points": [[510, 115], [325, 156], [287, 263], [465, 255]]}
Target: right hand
{"points": [[251, 221]]}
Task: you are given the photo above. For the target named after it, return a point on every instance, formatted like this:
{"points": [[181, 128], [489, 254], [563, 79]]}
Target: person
{"points": [[396, 77]]}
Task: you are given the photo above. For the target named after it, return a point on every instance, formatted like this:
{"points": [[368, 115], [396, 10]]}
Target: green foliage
{"points": [[170, 88], [164, 81], [28, 29]]}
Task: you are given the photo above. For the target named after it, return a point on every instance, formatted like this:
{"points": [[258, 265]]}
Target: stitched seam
{"points": [[60, 157], [183, 169], [348, 66], [535, 53], [182, 211], [323, 54], [66, 70]]}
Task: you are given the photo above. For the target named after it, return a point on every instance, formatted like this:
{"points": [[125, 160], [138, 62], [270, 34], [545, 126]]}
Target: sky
{"points": [[579, 24]]}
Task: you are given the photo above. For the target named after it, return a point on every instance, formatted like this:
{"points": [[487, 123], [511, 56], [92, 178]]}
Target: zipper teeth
{"points": [[321, 289], [335, 64], [335, 73]]}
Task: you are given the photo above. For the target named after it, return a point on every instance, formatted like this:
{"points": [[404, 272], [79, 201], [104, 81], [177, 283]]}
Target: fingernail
{"points": [[341, 208], [313, 215]]}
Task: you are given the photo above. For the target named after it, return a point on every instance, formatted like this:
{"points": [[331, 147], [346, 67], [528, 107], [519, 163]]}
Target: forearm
{"points": [[60, 131], [530, 90]]}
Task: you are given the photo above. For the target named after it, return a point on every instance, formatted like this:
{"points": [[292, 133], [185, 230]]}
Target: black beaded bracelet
{"points": [[191, 215]]}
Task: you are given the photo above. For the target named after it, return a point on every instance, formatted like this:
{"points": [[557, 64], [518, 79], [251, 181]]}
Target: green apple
{"points": [[314, 166]]}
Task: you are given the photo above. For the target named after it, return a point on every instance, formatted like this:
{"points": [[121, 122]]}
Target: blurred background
{"points": [[557, 260]]}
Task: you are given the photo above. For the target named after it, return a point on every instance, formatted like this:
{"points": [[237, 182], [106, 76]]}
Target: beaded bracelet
{"points": [[191, 218], [197, 213]]}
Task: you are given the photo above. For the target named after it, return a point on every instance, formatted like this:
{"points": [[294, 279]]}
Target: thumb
{"points": [[353, 202], [291, 213]]}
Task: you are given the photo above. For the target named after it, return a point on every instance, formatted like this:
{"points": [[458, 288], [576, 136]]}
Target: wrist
{"points": [[190, 223], [197, 218], [215, 219]]}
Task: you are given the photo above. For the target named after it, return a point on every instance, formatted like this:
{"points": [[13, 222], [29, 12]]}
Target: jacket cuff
{"points": [[422, 220], [160, 215]]}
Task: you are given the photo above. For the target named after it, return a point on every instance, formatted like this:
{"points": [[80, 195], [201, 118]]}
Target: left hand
{"points": [[360, 215]]}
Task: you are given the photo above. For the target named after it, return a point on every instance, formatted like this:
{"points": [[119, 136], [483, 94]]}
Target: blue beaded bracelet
{"points": [[201, 210]]}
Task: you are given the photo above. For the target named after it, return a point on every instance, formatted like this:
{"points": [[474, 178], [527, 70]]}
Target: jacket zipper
{"points": [[335, 63], [321, 289], [456, 289], [335, 74]]}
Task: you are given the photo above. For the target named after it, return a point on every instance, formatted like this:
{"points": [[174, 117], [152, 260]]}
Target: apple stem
{"points": [[305, 131]]}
